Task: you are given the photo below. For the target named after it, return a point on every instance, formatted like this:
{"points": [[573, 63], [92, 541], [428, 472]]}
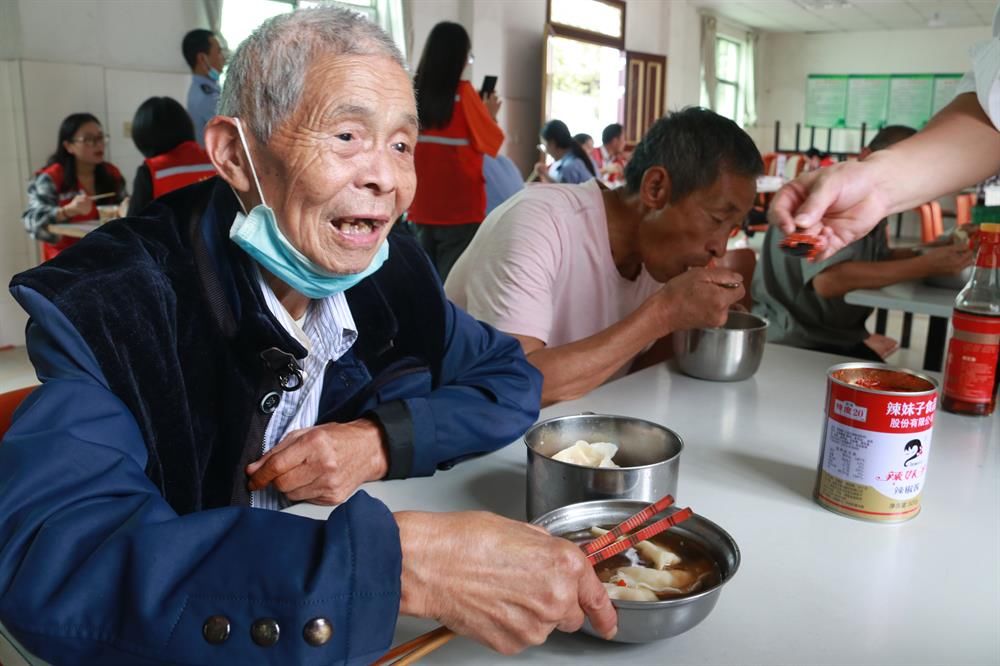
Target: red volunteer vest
{"points": [[65, 195], [186, 164]]}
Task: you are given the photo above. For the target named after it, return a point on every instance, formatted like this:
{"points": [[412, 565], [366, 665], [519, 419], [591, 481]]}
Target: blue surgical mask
{"points": [[214, 74], [257, 233]]}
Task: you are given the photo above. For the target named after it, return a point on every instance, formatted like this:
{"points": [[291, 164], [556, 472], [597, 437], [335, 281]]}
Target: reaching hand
{"points": [[80, 205], [948, 259], [493, 104], [839, 204], [324, 464], [502, 582]]}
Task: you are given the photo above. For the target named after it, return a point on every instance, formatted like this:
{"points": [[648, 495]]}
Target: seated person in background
{"points": [[253, 341], [588, 278], [610, 159], [63, 190], [587, 143], [571, 164], [804, 300], [164, 134], [503, 180]]}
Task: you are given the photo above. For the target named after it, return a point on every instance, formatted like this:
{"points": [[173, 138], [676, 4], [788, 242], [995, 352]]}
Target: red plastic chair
{"points": [[931, 225], [963, 208], [8, 403]]}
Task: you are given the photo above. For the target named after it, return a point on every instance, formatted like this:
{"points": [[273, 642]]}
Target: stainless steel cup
{"points": [[648, 453]]}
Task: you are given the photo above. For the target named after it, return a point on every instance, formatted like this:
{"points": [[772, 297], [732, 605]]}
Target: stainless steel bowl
{"points": [[648, 454], [727, 354], [645, 621]]}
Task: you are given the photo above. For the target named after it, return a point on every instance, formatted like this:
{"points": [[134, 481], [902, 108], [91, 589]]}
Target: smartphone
{"points": [[489, 86]]}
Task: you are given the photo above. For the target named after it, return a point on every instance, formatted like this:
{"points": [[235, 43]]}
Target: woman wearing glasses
{"points": [[64, 190]]}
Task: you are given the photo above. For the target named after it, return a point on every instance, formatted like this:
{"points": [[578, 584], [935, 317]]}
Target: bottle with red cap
{"points": [[972, 368]]}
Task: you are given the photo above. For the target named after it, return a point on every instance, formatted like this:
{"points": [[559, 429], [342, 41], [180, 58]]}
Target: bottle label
{"points": [[971, 366]]}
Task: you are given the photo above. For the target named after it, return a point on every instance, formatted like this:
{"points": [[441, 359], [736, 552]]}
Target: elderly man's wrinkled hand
{"points": [[323, 464], [502, 582], [698, 298]]}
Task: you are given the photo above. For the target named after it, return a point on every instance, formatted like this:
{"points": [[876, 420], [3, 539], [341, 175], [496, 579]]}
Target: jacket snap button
{"points": [[264, 631], [317, 631], [269, 402], [216, 629]]}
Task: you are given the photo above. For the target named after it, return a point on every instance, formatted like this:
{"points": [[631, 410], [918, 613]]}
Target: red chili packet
{"points": [[801, 245]]}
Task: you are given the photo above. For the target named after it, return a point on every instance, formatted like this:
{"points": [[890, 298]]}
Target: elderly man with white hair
{"points": [[255, 340]]}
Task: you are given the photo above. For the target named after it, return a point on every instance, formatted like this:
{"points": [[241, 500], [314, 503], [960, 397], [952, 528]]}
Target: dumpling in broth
{"points": [[598, 454], [675, 580], [630, 593]]}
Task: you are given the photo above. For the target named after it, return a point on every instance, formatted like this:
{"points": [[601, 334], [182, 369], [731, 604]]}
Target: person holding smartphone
{"points": [[457, 128]]}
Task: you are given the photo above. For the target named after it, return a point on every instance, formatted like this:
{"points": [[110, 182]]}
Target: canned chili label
{"points": [[876, 441]]}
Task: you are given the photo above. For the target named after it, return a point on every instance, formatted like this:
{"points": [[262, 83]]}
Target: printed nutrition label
{"points": [[894, 464]]}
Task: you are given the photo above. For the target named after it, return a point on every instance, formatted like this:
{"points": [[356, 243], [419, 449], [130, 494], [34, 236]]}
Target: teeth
{"points": [[355, 227]]}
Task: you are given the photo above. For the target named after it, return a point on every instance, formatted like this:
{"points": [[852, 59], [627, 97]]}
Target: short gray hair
{"points": [[266, 74]]}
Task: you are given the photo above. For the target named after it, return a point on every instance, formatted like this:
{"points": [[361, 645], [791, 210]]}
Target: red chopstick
{"points": [[641, 535], [628, 525]]}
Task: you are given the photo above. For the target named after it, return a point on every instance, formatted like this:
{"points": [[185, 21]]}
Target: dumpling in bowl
{"points": [[669, 580], [598, 454], [624, 593]]}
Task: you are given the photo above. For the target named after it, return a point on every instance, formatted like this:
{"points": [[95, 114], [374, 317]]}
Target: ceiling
{"points": [[853, 15]]}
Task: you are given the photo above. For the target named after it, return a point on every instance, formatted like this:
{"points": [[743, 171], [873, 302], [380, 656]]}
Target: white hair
{"points": [[266, 74]]}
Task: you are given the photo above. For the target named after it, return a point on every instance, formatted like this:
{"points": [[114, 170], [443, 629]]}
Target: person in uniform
{"points": [[205, 58]]}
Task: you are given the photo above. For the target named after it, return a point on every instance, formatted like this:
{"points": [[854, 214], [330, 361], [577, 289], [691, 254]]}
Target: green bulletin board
{"points": [[910, 100], [848, 100], [826, 100], [867, 99]]}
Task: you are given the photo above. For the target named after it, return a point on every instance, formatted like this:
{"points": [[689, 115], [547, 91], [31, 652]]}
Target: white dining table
{"points": [[814, 588], [917, 298]]}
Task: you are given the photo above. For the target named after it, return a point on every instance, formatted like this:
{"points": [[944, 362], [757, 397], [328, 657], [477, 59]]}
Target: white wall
{"points": [[62, 56], [790, 57]]}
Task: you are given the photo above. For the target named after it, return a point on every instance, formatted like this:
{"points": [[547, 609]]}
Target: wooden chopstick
{"points": [[95, 197], [641, 535], [627, 525], [404, 650], [425, 649]]}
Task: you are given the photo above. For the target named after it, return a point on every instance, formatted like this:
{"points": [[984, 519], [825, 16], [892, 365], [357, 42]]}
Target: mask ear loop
{"points": [[246, 149]]}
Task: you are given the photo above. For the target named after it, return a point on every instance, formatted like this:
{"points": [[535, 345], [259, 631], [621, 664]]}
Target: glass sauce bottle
{"points": [[972, 368]]}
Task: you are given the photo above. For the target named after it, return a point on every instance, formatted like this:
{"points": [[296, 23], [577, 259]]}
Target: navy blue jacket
{"points": [[124, 522]]}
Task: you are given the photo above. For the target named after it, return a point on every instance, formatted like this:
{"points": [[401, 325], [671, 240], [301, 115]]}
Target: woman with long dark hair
{"points": [[572, 164], [66, 188], [163, 132], [457, 128]]}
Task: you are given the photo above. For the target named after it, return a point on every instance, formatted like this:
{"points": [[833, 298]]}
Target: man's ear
{"points": [[222, 143], [654, 190]]}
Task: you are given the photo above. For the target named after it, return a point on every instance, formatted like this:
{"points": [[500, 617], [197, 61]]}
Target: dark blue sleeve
{"points": [[487, 396], [95, 567]]}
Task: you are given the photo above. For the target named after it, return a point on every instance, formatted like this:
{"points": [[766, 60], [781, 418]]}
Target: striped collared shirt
{"points": [[327, 332]]}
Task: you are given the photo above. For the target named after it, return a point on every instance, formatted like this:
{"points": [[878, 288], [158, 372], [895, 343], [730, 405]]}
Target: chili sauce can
{"points": [[876, 441]]}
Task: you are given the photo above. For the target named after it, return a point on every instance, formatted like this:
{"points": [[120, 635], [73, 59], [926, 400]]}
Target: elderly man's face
{"points": [[340, 170], [691, 232]]}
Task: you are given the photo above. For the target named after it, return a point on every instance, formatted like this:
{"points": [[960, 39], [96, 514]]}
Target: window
{"points": [[241, 17], [727, 74], [584, 64]]}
